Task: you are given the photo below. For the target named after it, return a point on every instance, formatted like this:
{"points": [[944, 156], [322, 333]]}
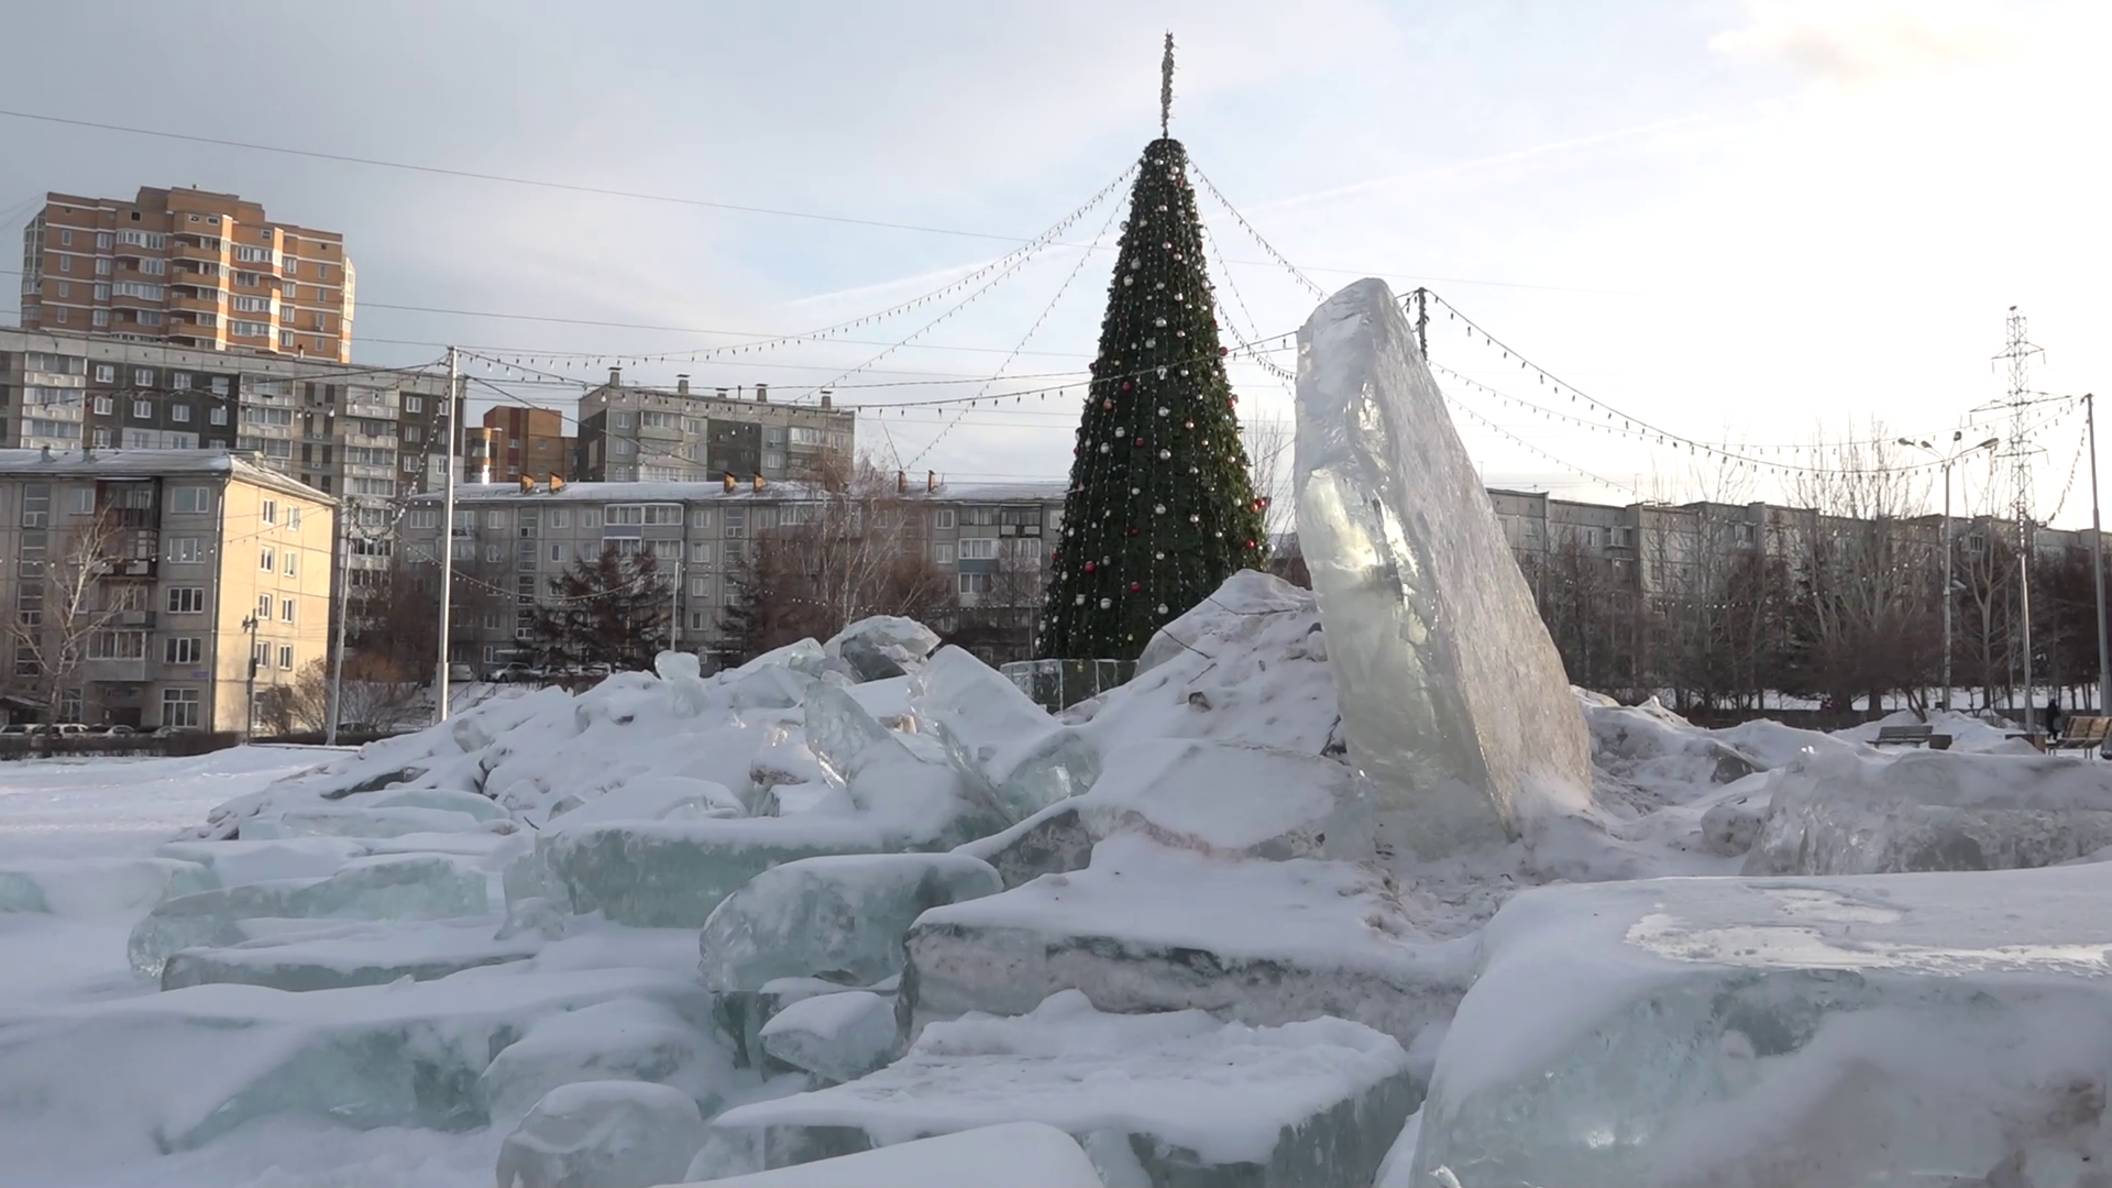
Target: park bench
{"points": [[1912, 736], [2084, 734]]}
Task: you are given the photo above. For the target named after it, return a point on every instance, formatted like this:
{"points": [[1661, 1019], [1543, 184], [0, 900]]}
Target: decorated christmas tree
{"points": [[1161, 509]]}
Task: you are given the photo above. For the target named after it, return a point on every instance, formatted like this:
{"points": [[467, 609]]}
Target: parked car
{"points": [[459, 671], [112, 730], [507, 673], [16, 730], [173, 731], [65, 729], [597, 669]]}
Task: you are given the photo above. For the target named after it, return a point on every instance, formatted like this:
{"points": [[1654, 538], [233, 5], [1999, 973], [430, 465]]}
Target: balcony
{"points": [[132, 669], [135, 618], [183, 295], [212, 251]]}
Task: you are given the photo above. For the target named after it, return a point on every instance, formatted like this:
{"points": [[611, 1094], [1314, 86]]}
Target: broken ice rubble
{"points": [[998, 736], [98, 886], [603, 1134], [1843, 813], [327, 956], [1894, 1029], [622, 1039], [881, 647], [1453, 698], [840, 917], [1183, 1097]]}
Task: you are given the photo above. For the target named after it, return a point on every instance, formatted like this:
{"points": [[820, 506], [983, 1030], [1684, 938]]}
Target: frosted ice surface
{"points": [[1843, 813], [998, 736], [347, 955], [841, 917], [1198, 1101], [238, 862], [653, 798], [355, 822], [623, 1039], [1884, 1029], [98, 886], [1149, 927], [979, 1158], [403, 887], [882, 646], [837, 1037], [841, 732], [603, 1134], [1453, 698]]}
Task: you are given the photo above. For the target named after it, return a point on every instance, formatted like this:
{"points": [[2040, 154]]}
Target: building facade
{"points": [[137, 585], [366, 435], [527, 441], [188, 268], [635, 434], [991, 540]]}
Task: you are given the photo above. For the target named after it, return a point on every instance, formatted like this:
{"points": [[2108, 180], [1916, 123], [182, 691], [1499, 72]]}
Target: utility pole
{"points": [[337, 648], [447, 533], [2097, 562]]}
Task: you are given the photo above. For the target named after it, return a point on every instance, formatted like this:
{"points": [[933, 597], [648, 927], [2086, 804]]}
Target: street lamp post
{"points": [[249, 716], [1948, 462]]}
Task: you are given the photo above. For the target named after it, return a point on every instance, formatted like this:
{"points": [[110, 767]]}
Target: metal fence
{"points": [[1060, 684]]}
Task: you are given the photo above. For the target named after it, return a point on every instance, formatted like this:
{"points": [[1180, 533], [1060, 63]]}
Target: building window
{"points": [[179, 707], [105, 373], [291, 567], [267, 560], [104, 406], [186, 600], [558, 517], [982, 548], [286, 656], [974, 583], [194, 499], [423, 519], [270, 512], [413, 404], [142, 377], [219, 415], [942, 552], [182, 649], [142, 410], [263, 608], [942, 519], [117, 645], [293, 515], [286, 609], [495, 519], [180, 413], [181, 381], [185, 550], [65, 237]]}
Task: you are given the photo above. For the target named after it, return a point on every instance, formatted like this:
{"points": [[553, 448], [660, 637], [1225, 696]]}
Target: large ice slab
{"points": [[1453, 698], [998, 736], [1204, 795], [837, 1037], [1149, 927], [1889, 1029], [1844, 813], [92, 1085], [840, 917], [98, 886], [396, 887], [979, 1158], [603, 1134], [353, 954], [1189, 1099], [882, 646]]}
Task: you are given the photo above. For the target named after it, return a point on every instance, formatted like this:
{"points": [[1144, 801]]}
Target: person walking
{"points": [[2053, 720]]}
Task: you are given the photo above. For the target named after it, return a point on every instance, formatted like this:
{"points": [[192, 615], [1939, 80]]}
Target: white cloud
{"points": [[1863, 40]]}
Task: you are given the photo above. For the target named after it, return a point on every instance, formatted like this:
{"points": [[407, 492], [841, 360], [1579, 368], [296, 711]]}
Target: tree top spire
{"points": [[1166, 85]]}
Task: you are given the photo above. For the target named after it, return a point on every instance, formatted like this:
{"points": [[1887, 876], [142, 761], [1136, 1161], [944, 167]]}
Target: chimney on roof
{"points": [[46, 456], [729, 482], [931, 480], [901, 483], [719, 392], [758, 481], [615, 376], [827, 398], [527, 484], [557, 483], [682, 385], [762, 393]]}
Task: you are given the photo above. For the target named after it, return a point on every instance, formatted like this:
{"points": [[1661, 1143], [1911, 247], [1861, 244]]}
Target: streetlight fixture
{"points": [[1948, 462]]}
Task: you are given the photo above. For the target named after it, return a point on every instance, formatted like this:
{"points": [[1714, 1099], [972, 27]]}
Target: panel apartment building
{"points": [[517, 441], [363, 434], [517, 542], [629, 433], [189, 268], [139, 584]]}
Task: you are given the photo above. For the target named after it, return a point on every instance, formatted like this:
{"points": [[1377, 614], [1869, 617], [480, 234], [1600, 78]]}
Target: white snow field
{"points": [[858, 912]]}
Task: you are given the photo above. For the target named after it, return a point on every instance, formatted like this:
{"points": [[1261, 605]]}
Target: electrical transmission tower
{"points": [[2018, 353]]}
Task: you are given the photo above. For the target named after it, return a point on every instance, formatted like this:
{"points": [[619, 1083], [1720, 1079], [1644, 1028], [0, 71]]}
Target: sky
{"points": [[1755, 223]]}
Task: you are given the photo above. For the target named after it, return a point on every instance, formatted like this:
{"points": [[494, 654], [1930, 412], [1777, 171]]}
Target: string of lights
{"points": [[1248, 227], [1523, 444]]}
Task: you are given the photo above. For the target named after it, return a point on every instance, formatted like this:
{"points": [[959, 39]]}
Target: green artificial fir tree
{"points": [[1161, 508]]}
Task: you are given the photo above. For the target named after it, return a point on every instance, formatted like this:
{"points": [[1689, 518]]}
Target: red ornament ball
{"points": [[1089, 567], [1136, 587], [1222, 352], [1107, 404], [1126, 385], [1250, 544], [1139, 441]]}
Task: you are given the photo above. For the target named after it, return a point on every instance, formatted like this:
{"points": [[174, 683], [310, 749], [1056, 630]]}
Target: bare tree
{"points": [[1269, 461], [67, 602], [379, 693], [857, 549]]}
